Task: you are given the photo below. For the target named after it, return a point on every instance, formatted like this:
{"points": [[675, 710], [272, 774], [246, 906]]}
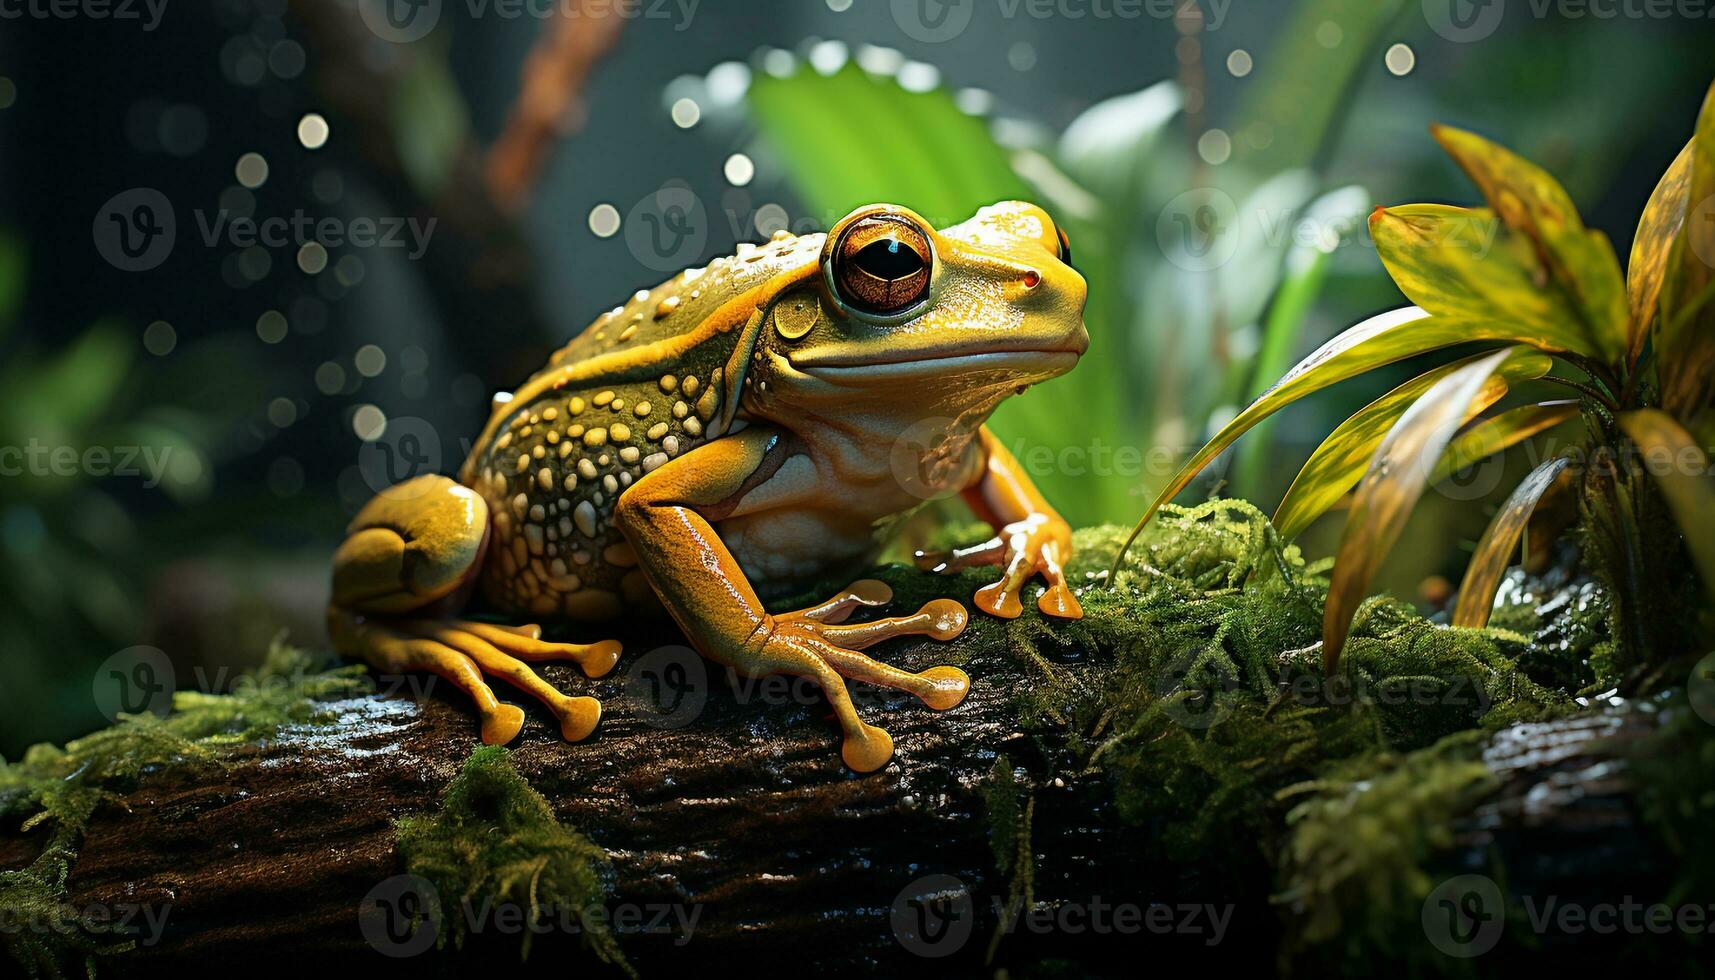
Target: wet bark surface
{"points": [[727, 801]]}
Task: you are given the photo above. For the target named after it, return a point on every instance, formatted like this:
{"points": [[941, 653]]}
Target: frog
{"points": [[708, 447]]}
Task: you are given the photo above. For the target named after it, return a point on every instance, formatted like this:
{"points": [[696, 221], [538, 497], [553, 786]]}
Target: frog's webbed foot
{"points": [[461, 652], [817, 643], [1037, 545], [409, 556]]}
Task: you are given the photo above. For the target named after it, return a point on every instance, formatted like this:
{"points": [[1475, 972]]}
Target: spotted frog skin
{"points": [[724, 438]]}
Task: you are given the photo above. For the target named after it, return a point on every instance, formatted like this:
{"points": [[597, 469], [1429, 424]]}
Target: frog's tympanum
{"points": [[727, 438]]}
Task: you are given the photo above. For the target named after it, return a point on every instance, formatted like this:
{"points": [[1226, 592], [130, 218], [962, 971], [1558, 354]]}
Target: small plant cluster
{"points": [[1635, 352]]}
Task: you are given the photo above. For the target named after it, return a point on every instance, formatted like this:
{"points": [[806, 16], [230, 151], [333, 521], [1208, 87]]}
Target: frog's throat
{"points": [[744, 312]]}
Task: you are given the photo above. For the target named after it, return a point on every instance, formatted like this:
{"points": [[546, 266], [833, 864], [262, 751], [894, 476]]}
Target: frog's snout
{"points": [[1036, 224]]}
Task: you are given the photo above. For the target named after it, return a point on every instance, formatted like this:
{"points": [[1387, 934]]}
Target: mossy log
{"points": [[746, 813], [740, 814]]}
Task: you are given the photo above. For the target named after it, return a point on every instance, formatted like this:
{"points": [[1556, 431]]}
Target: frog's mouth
{"points": [[1044, 362]]}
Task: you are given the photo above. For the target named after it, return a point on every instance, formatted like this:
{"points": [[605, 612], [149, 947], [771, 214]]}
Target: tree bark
{"points": [[746, 816]]}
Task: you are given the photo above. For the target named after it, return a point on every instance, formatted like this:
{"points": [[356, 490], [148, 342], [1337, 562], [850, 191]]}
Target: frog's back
{"points": [[643, 384]]}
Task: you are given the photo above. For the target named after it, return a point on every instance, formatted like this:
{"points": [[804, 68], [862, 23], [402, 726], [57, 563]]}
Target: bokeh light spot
{"points": [[1401, 59], [739, 170], [313, 131], [159, 338], [252, 170], [604, 221], [369, 423]]}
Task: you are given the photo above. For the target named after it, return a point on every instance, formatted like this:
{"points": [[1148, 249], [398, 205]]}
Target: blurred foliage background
{"points": [[1212, 161]]}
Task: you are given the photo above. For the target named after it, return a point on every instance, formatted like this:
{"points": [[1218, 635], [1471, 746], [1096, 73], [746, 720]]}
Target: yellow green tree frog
{"points": [[722, 439]]}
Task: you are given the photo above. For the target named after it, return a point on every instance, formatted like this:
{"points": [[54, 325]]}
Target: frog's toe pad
{"points": [[947, 618], [868, 749], [599, 658], [1059, 601], [946, 687], [501, 724], [999, 600], [578, 718]]}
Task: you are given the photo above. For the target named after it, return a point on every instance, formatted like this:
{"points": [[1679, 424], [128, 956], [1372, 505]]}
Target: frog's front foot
{"points": [[817, 643], [1037, 545], [461, 652]]}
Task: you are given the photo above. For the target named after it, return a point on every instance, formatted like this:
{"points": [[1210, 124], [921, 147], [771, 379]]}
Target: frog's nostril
{"points": [[1032, 279]]}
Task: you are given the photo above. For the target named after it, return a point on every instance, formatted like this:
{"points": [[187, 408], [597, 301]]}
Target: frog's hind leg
{"points": [[408, 561]]}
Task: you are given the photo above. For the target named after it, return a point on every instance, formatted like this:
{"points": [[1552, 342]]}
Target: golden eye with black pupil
{"points": [[1065, 246], [881, 265]]}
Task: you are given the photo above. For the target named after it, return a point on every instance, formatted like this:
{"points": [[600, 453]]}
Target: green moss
{"points": [[496, 840], [43, 932], [1194, 686], [1353, 870], [58, 789]]}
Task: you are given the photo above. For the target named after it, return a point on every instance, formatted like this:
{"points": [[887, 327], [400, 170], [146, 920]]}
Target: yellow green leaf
{"points": [[1657, 229], [1339, 462], [1382, 339], [1579, 262], [1460, 262], [1681, 469], [1685, 331], [1397, 476], [1509, 428], [1495, 548]]}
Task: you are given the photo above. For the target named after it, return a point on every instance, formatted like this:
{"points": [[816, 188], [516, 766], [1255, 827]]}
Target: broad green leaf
{"points": [[1495, 548], [1107, 163], [1107, 147], [1397, 476], [430, 122], [1657, 229], [1492, 435], [1460, 262], [852, 138], [1681, 469], [1685, 333], [1382, 339], [1339, 462], [1578, 263]]}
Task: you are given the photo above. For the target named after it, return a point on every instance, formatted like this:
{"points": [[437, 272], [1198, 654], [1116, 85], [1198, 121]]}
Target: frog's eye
{"points": [[881, 265], [1065, 246]]}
